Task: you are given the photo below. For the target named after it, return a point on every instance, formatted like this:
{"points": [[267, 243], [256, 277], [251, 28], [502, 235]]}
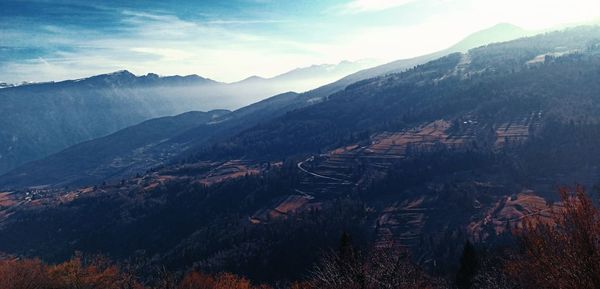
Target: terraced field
{"points": [[400, 225], [6, 200], [397, 145], [284, 207], [516, 132], [341, 171], [510, 212], [335, 174]]}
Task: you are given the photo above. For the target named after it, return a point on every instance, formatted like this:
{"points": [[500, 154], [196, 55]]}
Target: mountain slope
{"points": [[397, 100], [39, 119], [497, 33], [140, 147], [125, 152]]}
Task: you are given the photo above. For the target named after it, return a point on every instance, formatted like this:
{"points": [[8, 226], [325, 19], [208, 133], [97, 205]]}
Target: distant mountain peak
{"points": [[126, 77], [120, 73], [504, 25], [252, 78], [190, 76], [498, 33], [196, 77]]}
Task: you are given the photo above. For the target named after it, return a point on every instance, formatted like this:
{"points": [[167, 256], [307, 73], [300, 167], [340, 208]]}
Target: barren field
{"points": [[510, 212], [6, 200], [400, 225], [229, 170]]}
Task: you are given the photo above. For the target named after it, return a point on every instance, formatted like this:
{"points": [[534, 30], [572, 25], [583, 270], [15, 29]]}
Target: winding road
{"points": [[310, 159]]}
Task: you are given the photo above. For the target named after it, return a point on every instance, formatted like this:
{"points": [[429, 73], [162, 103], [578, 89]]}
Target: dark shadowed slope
{"points": [[39, 119], [130, 150], [138, 148]]}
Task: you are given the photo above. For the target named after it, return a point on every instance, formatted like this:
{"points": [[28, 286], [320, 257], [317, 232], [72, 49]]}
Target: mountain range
{"points": [[151, 96], [39, 119]]}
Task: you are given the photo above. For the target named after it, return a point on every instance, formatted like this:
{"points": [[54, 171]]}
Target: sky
{"points": [[43, 40]]}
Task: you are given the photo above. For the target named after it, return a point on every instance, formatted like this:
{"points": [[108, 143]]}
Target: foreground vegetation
{"points": [[563, 252]]}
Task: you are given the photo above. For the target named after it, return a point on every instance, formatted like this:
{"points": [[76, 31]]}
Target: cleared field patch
{"points": [[156, 181], [400, 225], [68, 197], [229, 170], [281, 209], [291, 204], [510, 212], [6, 200], [511, 134], [423, 138], [205, 173], [516, 132]]}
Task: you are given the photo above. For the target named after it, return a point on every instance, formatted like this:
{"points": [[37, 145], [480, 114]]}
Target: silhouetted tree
{"points": [[469, 264]]}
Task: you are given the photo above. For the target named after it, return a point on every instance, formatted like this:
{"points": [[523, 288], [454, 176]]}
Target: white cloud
{"points": [[163, 44], [358, 6], [241, 21], [389, 43], [166, 54], [536, 14]]}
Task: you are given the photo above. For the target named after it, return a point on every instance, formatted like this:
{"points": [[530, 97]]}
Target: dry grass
{"points": [[229, 170], [423, 137], [510, 213], [510, 133], [6, 200], [291, 204]]}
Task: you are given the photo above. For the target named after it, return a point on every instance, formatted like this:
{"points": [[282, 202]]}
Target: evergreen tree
{"points": [[469, 264]]}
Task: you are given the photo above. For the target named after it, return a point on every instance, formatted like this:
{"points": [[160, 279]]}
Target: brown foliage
{"points": [[99, 273], [195, 280], [563, 255], [28, 274], [73, 274]]}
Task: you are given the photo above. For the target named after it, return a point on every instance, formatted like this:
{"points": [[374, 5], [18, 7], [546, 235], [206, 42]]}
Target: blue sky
{"points": [[230, 40]]}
